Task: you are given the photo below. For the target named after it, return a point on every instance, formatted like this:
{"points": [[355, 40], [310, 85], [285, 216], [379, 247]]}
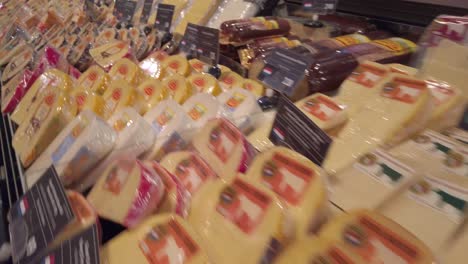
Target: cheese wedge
{"points": [[295, 180], [125, 69], [43, 124], [176, 64], [192, 171], [317, 251], [118, 95], [229, 80], [199, 12], [327, 113], [177, 87], [240, 106], [376, 238], [108, 54], [254, 87], [371, 181], [50, 80], [76, 149], [94, 79], [399, 112], [160, 239], [259, 138], [201, 108], [224, 147], [433, 202], [89, 101], [149, 94], [204, 83], [127, 192], [240, 215]]}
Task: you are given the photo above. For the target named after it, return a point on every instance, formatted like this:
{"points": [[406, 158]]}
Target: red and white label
{"points": [[193, 172], [223, 140], [322, 108], [404, 90], [441, 92], [367, 75]]}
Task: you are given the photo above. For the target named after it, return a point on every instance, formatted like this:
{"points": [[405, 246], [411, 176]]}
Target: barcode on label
{"points": [[288, 82]]}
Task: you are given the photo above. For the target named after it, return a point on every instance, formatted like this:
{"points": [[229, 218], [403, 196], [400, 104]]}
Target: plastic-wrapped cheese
{"points": [[371, 181], [108, 54], [44, 123], [177, 87], [376, 238], [224, 147], [78, 147], [192, 171], [327, 113], [118, 95], [125, 69], [135, 136], [204, 83], [88, 101], [432, 209], [259, 138], [127, 192], [297, 181], [318, 251], [50, 80], [201, 108], [94, 79], [152, 67], [242, 216], [254, 87], [177, 64], [159, 239], [199, 66], [149, 94], [239, 106], [229, 80]]}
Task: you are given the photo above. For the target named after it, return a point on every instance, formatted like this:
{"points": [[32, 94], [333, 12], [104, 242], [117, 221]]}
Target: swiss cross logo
{"points": [[198, 66], [49, 99], [199, 82], [123, 70], [228, 80], [148, 90], [80, 99], [173, 85], [174, 65], [93, 76], [117, 94]]}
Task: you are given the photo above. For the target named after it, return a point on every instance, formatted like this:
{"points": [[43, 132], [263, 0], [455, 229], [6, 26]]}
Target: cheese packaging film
{"points": [[376, 239], [295, 180], [50, 80], [204, 83], [118, 95], [244, 217], [75, 150], [401, 110], [86, 100], [50, 115], [429, 203], [149, 94], [94, 79], [178, 88], [239, 106], [224, 147], [229, 80], [176, 64], [127, 192], [316, 250], [125, 69], [371, 181], [259, 138], [201, 108], [160, 239], [134, 137], [108, 54]]}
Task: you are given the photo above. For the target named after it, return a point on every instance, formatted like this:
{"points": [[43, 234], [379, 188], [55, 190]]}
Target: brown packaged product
{"points": [[242, 30]]}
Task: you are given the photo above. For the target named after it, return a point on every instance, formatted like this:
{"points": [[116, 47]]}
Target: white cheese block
{"points": [[80, 145], [127, 192], [433, 202], [134, 137], [201, 108], [376, 239], [198, 13], [259, 138], [160, 239], [241, 216], [224, 147], [239, 105], [297, 181]]}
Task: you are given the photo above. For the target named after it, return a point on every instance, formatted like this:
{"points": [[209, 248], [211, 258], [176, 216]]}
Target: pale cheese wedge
{"points": [[201, 108], [118, 95], [17, 64], [204, 83], [295, 180], [376, 238], [125, 69], [94, 79], [149, 94], [88, 101], [229, 80], [176, 64], [254, 87], [177, 87]]}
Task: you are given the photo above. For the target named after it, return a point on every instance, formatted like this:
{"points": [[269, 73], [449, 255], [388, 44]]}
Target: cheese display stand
{"points": [[233, 131]]}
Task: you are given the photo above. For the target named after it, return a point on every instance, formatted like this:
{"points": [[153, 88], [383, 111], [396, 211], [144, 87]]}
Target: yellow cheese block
{"points": [[242, 216], [127, 70], [177, 87], [160, 239], [44, 122], [198, 13], [149, 94], [89, 101], [118, 95], [108, 54], [50, 80], [295, 180], [254, 87], [94, 79], [204, 83], [229, 80], [376, 238], [176, 64]]}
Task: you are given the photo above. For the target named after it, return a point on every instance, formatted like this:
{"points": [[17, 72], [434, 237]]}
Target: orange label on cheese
{"points": [[197, 111], [118, 176], [376, 243], [235, 100], [199, 82], [367, 75], [173, 85], [229, 80], [81, 100], [223, 140], [286, 177], [193, 172], [322, 108], [243, 205], [175, 65], [168, 244], [148, 90], [404, 90]]}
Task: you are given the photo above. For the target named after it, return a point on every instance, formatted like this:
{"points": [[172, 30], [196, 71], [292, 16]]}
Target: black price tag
{"points": [[146, 11], [202, 43], [38, 217], [293, 129], [124, 10], [83, 248], [320, 6], [284, 70], [164, 17], [464, 122]]}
